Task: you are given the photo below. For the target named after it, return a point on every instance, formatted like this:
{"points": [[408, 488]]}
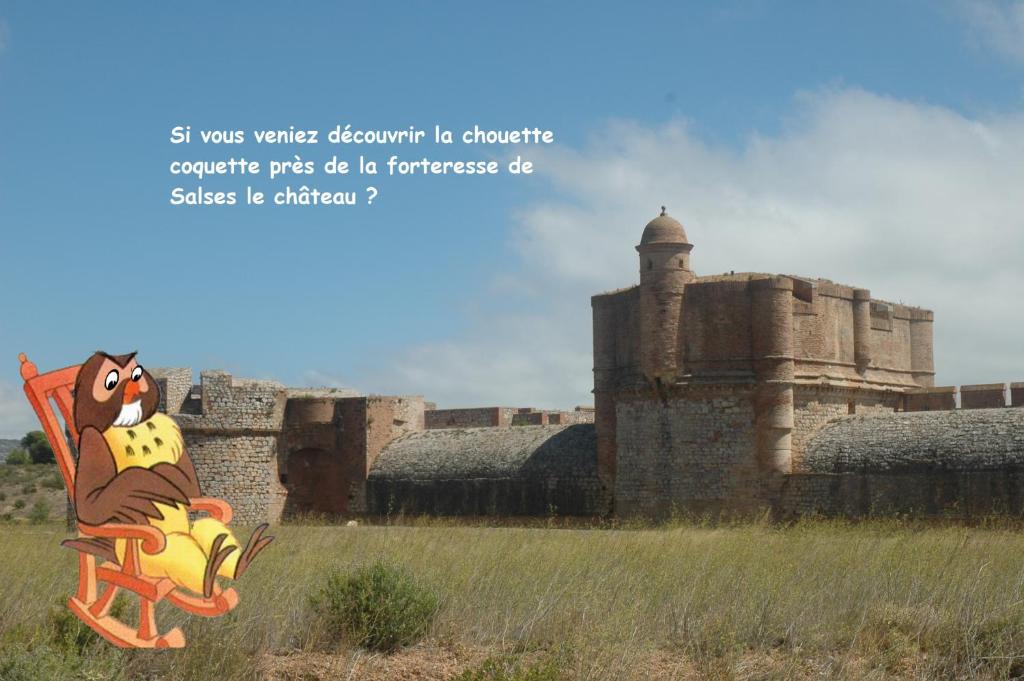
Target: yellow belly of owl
{"points": [[157, 440]]}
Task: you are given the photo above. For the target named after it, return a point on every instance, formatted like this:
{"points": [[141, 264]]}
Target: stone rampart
{"points": [[982, 396], [957, 463], [972, 440], [231, 437], [489, 471], [472, 417]]}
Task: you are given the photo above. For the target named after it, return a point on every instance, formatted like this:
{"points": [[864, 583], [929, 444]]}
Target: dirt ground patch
{"points": [[430, 662], [419, 663]]}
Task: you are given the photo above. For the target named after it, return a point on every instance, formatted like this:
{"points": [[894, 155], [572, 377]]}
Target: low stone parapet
{"points": [[941, 398], [983, 396]]}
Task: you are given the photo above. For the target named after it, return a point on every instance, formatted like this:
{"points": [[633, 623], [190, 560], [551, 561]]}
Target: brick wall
{"points": [[531, 418], [473, 417], [940, 398], [815, 406], [566, 418], [694, 452], [983, 396]]}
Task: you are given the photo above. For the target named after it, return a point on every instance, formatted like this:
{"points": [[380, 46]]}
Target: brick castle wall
{"points": [[694, 452]]}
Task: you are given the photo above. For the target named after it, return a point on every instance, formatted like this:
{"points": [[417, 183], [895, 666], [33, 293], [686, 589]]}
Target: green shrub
{"points": [[68, 650], [18, 457], [40, 512], [19, 504], [38, 447], [3, 496], [53, 481], [28, 488], [71, 635], [380, 607], [7, 517]]}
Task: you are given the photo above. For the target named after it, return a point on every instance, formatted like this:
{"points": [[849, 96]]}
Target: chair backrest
{"points": [[57, 386]]}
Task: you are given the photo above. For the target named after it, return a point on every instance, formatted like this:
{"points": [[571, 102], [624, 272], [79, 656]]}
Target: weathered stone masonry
{"points": [[272, 451], [731, 393], [511, 471], [935, 463], [231, 436], [712, 392]]}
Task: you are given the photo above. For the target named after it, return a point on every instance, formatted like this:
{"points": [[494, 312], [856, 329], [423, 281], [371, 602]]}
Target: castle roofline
{"points": [[822, 287], [614, 292]]}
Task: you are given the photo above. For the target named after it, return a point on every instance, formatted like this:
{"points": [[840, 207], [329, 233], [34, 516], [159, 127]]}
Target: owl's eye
{"points": [[110, 382], [136, 373]]}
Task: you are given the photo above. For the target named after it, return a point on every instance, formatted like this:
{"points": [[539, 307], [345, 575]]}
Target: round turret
{"points": [[663, 246], [664, 272]]}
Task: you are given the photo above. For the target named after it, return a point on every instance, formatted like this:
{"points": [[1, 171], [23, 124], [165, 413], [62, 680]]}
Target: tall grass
{"points": [[879, 599]]}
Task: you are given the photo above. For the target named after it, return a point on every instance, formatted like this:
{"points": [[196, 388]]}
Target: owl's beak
{"points": [[131, 391]]}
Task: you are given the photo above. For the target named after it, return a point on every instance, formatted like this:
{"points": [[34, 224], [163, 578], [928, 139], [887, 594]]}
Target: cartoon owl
{"points": [[133, 468]]}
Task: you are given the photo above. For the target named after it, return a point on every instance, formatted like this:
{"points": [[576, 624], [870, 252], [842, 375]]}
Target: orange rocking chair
{"points": [[91, 606]]}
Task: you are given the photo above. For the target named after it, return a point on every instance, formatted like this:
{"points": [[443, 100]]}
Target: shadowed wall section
{"points": [[485, 471], [926, 463]]}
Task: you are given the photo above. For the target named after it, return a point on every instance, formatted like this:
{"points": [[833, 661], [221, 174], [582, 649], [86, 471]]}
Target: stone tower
{"points": [[664, 272]]}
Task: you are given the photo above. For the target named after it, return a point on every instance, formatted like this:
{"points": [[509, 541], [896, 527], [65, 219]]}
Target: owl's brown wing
{"points": [[103, 495]]}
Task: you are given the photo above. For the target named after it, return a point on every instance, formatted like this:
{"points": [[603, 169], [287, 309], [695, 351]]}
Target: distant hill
{"points": [[6, 446]]}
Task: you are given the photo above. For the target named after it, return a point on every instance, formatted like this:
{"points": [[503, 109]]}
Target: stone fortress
{"points": [[735, 393], [273, 451]]}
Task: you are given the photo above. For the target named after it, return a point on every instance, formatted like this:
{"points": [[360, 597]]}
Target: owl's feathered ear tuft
{"points": [[120, 360]]}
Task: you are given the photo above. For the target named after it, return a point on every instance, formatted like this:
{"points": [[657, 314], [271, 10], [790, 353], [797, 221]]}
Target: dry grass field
{"points": [[31, 492], [877, 600]]}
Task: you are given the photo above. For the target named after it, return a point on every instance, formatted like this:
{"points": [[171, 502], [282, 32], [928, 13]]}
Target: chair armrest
{"points": [[153, 540], [218, 508]]}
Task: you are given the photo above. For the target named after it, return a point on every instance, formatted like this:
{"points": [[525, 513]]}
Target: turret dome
{"points": [[663, 229]]}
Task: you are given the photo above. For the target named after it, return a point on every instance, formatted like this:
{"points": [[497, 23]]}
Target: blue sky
{"points": [[475, 290]]}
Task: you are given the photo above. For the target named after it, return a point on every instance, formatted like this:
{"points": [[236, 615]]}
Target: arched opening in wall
{"points": [[316, 483]]}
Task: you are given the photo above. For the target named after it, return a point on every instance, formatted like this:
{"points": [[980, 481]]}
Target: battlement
{"points": [[175, 387], [494, 417], [221, 402], [980, 396]]}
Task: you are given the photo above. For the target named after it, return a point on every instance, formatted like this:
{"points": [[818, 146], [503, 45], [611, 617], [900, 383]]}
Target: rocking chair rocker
{"points": [[91, 606]]}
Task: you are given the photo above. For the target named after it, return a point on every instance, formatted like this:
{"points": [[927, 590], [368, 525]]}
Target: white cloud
{"points": [[918, 203], [16, 416], [998, 24]]}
